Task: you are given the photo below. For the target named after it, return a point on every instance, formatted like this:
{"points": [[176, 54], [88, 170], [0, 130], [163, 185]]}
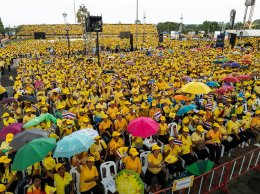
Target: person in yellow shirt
{"points": [[198, 140], [115, 143], [99, 150], [112, 110], [102, 104], [219, 111], [3, 189], [239, 108], [120, 123], [187, 152], [163, 130], [255, 128], [105, 128], [17, 111], [213, 144], [28, 116], [226, 139], [7, 120], [131, 115], [155, 166], [88, 177], [173, 150], [132, 162], [232, 130]]}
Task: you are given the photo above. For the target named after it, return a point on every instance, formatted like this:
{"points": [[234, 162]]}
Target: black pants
{"points": [[245, 136], [235, 142], [202, 154], [227, 145], [214, 152], [163, 138], [149, 176], [95, 190], [176, 167], [189, 159]]}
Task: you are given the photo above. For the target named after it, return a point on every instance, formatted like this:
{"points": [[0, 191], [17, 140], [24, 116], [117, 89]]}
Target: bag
{"points": [[229, 139]]}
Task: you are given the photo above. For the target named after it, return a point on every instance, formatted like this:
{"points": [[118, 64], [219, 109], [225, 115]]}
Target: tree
{"points": [[167, 27], [81, 14], [2, 28]]}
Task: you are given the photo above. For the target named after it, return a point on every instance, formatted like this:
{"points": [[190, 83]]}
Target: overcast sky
{"points": [[17, 12]]}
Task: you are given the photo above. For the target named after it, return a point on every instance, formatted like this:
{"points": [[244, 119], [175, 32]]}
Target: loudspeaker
{"points": [[124, 35], [232, 40], [131, 42], [39, 35], [161, 38], [94, 24]]}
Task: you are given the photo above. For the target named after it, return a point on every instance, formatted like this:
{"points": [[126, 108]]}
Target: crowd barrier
{"points": [[219, 177]]}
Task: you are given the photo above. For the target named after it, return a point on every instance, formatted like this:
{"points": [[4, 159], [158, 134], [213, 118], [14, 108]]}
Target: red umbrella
{"points": [[221, 90], [143, 127], [244, 77], [246, 61], [227, 88], [12, 128], [231, 79]]}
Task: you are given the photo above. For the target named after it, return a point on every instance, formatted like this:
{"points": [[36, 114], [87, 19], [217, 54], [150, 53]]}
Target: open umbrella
{"points": [[196, 88], [231, 79], [129, 182], [244, 77], [212, 84], [143, 127], [72, 144], [185, 109], [33, 152], [90, 132], [26, 136], [200, 167], [8, 100], [235, 65], [13, 128], [39, 119], [181, 97], [28, 98]]}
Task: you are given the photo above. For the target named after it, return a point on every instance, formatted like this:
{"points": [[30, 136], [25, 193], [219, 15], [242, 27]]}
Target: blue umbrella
{"points": [[212, 84], [186, 109], [73, 144], [235, 65]]}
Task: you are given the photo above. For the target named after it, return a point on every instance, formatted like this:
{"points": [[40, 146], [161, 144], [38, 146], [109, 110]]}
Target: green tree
{"points": [[238, 25], [81, 14], [167, 27], [2, 28]]}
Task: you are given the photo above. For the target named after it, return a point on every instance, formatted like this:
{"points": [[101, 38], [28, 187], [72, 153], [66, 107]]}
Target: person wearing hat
{"points": [[198, 140], [37, 186], [89, 177], [219, 111], [239, 108], [63, 180], [115, 143], [28, 115], [5, 148], [186, 146], [3, 189], [68, 128], [85, 123], [99, 150], [105, 128], [226, 139], [120, 123], [17, 111], [7, 119], [155, 166], [131, 115], [174, 150], [125, 109], [163, 130], [132, 162], [255, 128], [59, 109], [102, 104], [112, 110], [98, 113], [9, 177], [232, 127], [228, 108], [144, 111], [213, 144]]}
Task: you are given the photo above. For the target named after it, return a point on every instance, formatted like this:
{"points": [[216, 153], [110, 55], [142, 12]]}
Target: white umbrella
{"points": [[88, 131]]}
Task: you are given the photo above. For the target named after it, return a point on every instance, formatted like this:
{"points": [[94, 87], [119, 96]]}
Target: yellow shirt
{"points": [[113, 145], [255, 122], [27, 118], [175, 150], [105, 125], [134, 165], [239, 109], [49, 163], [186, 144], [156, 161], [120, 125], [215, 137], [112, 112], [61, 182], [162, 129], [87, 174], [232, 127], [95, 149], [7, 176], [9, 121], [197, 137]]}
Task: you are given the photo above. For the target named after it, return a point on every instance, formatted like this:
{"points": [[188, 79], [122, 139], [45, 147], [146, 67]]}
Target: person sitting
{"points": [[132, 162], [7, 120], [115, 143], [163, 130]]}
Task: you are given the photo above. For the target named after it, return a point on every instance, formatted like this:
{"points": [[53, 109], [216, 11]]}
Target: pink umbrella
{"points": [[231, 79], [12, 128], [244, 77], [221, 91], [227, 88], [143, 127]]}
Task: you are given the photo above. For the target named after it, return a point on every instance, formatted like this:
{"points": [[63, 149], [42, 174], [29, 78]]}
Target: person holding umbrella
{"points": [[7, 120]]}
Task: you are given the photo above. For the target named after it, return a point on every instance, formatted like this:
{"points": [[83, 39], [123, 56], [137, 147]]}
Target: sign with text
{"points": [[182, 183]]}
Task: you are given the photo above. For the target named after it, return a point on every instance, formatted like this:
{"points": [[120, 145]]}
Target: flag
{"points": [[225, 97], [68, 115], [34, 107], [7, 105], [240, 129], [207, 124], [208, 106], [157, 115], [177, 142]]}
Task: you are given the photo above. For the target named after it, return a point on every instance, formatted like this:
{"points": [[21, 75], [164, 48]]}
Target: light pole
{"points": [[67, 31], [137, 4], [84, 14], [144, 28]]}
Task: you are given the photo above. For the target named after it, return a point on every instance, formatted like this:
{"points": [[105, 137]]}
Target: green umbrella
{"points": [[200, 167], [33, 152], [39, 119]]}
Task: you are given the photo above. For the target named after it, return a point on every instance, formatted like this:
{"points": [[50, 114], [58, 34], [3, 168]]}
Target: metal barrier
{"points": [[218, 177]]}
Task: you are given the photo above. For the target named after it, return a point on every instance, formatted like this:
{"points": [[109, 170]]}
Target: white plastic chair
{"points": [[149, 142], [172, 126], [107, 178], [76, 178], [245, 108], [144, 160]]}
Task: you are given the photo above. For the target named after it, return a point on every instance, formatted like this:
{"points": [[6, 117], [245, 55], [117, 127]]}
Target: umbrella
{"points": [[129, 182], [236, 53], [8, 100], [47, 62], [220, 91], [72, 144], [26, 136], [247, 61], [244, 77], [28, 98], [33, 152], [196, 88], [181, 97], [12, 128], [186, 109], [200, 167], [90, 132], [231, 79], [212, 84], [235, 65], [143, 127], [39, 119]]}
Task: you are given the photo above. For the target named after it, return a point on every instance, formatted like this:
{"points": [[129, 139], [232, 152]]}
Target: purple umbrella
{"points": [[8, 100], [12, 128]]}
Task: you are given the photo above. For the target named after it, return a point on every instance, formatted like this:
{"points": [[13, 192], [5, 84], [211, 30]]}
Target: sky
{"points": [[17, 12]]}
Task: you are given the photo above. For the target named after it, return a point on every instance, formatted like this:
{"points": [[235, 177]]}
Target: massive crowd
{"points": [[126, 86]]}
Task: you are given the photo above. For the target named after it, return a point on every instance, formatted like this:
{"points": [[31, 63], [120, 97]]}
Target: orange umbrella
{"points": [[181, 97]]}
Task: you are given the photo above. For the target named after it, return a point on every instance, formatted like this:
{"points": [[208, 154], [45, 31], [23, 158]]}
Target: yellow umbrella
{"points": [[196, 88]]}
